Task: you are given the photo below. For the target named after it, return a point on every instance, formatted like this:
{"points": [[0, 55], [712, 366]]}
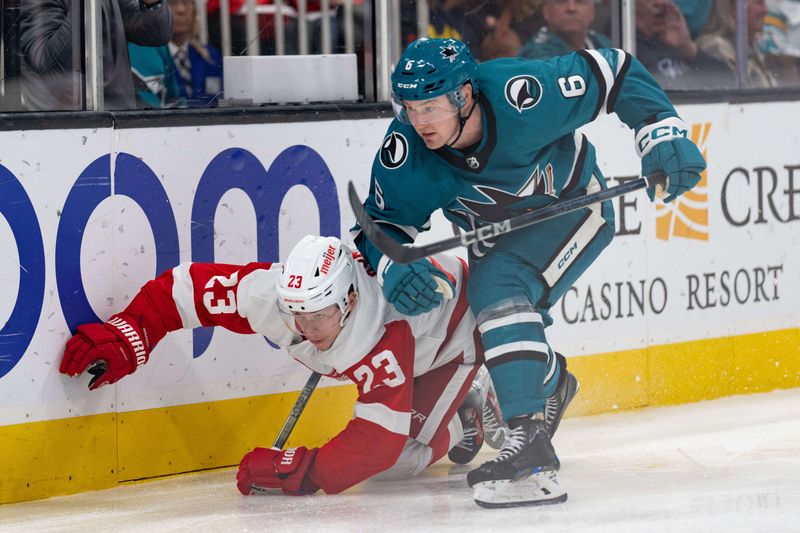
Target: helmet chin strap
{"points": [[462, 121]]}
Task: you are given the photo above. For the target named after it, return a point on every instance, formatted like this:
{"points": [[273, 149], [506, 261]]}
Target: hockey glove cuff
{"points": [[112, 350], [664, 147]]}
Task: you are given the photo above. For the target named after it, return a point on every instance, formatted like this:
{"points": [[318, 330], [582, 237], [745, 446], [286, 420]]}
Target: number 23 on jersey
{"points": [[380, 369]]}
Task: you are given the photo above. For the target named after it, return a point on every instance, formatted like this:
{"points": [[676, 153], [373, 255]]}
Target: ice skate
{"points": [[470, 413], [557, 403], [494, 427], [524, 473]]}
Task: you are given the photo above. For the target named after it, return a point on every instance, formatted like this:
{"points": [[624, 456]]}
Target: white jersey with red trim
{"points": [[379, 349]]}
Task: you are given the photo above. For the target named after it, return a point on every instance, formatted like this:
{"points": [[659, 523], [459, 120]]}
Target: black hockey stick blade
{"points": [[297, 410], [397, 252], [403, 253]]}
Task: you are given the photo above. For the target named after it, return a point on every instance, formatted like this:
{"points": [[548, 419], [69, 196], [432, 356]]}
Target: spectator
{"points": [[49, 59], [568, 27], [781, 35], [154, 77], [445, 20], [502, 40], [498, 29], [696, 13], [666, 49], [491, 28], [719, 40], [780, 40], [197, 67]]}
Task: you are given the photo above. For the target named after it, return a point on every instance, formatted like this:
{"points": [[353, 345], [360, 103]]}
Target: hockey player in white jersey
{"points": [[327, 310]]}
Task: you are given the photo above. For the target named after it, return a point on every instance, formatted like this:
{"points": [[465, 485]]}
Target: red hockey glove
{"points": [[113, 350], [269, 468]]}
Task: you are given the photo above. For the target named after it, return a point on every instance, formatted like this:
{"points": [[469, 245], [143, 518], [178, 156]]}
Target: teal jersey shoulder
{"points": [[529, 154], [408, 182]]}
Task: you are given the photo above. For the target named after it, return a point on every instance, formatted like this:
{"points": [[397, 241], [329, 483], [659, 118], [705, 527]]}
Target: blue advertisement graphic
{"points": [[236, 168], [92, 187], [17, 209], [134, 179], [231, 169]]}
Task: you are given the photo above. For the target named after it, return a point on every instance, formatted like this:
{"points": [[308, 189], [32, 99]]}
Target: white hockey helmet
{"points": [[319, 272]]}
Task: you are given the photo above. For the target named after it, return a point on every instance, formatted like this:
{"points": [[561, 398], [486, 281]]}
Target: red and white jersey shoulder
{"points": [[238, 298]]}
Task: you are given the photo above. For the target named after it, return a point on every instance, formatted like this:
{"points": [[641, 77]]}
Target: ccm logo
{"points": [[567, 255], [485, 232], [662, 132]]}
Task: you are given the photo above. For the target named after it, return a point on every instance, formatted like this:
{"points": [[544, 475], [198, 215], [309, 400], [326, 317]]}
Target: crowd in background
{"points": [[685, 44], [154, 56], [151, 53]]}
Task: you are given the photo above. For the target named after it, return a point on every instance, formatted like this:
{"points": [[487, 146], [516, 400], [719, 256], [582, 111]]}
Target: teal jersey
{"points": [[529, 155], [154, 76]]}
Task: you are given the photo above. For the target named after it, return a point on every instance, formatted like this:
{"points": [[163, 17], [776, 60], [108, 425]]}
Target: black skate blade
{"points": [[533, 503]]}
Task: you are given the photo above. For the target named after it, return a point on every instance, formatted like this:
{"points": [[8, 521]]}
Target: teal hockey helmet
{"points": [[429, 68]]}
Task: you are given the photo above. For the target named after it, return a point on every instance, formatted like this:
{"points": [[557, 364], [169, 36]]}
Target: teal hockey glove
{"points": [[417, 287], [664, 147]]}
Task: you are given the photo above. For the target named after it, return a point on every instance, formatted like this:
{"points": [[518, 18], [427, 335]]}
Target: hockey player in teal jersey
{"points": [[485, 143]]}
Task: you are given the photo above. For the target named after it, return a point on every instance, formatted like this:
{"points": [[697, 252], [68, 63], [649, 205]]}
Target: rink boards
{"points": [[692, 301]]}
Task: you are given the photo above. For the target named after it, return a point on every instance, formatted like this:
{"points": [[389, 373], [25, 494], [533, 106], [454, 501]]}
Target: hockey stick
{"points": [[291, 420], [297, 410], [404, 253]]}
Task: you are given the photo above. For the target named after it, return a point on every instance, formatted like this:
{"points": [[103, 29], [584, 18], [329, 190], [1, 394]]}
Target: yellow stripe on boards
{"points": [[609, 382], [66, 456], [43, 459], [703, 370], [687, 372], [185, 438]]}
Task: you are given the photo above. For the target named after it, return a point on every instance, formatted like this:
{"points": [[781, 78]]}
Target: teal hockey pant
{"points": [[514, 285]]}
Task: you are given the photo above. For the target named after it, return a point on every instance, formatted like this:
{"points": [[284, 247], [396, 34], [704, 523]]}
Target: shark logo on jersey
{"points": [[450, 52], [155, 84], [502, 204], [394, 151], [523, 92], [473, 162]]}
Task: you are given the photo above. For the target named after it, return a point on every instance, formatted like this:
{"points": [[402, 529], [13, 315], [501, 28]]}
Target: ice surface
{"points": [[724, 465]]}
